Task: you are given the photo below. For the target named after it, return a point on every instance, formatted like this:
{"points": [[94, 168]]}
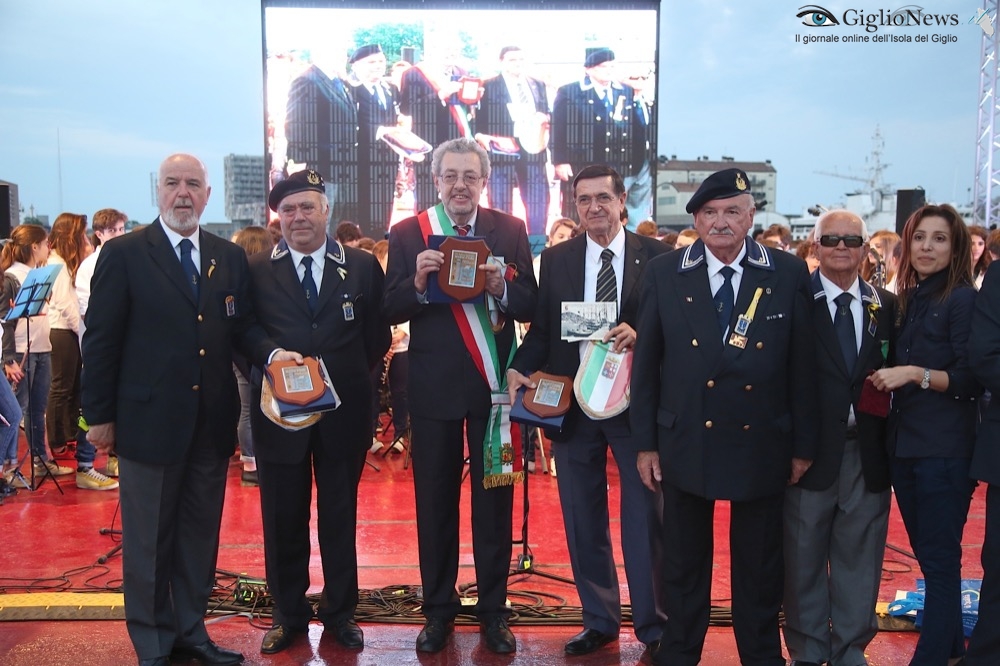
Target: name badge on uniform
{"points": [[230, 306], [348, 310], [738, 337]]}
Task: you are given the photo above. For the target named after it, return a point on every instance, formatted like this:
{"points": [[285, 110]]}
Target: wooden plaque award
{"points": [[550, 397], [460, 277]]}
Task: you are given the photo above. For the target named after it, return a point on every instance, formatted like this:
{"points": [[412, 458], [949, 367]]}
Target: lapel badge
{"points": [[230, 304], [688, 299], [348, 311], [342, 272], [738, 340], [211, 269]]}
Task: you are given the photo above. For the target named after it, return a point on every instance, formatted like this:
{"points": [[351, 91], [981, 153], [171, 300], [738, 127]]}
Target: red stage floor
{"points": [[52, 543]]}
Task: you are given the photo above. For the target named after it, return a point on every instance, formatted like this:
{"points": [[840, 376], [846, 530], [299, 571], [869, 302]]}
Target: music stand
{"points": [[28, 303]]}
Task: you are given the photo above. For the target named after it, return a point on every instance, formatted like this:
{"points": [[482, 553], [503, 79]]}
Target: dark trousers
{"points": [[984, 646], [285, 498], [583, 481], [933, 495], [64, 393], [755, 539], [532, 183], [438, 451], [171, 516]]}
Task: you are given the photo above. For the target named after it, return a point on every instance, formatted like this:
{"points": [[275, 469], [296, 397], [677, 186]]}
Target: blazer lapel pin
{"points": [[211, 269], [342, 272]]}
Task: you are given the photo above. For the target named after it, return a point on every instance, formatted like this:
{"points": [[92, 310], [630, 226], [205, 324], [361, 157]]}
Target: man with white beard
{"points": [[167, 305]]}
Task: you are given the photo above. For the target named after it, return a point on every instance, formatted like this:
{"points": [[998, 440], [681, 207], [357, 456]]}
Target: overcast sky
{"points": [[127, 83]]}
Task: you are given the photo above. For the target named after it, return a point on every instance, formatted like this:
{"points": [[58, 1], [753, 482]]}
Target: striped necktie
{"points": [[607, 286]]}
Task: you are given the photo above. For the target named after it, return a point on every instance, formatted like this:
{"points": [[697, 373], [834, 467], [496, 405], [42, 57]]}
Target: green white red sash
{"points": [[459, 112], [502, 458]]}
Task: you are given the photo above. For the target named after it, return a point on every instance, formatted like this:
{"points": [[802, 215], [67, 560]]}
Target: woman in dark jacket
{"points": [[932, 424]]}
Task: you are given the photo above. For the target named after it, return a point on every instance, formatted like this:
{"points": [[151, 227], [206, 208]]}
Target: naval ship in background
{"points": [[874, 201]]}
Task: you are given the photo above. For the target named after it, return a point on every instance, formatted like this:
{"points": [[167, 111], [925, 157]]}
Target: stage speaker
{"points": [[907, 201]]}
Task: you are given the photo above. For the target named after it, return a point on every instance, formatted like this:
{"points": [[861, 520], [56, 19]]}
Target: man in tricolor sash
{"points": [[459, 353], [724, 407], [570, 272]]}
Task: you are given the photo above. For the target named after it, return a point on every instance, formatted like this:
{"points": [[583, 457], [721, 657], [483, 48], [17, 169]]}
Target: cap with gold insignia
{"points": [[598, 56], [724, 184], [300, 181], [364, 52]]}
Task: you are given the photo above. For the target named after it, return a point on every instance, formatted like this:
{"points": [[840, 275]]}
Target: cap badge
{"points": [[740, 183], [313, 178]]}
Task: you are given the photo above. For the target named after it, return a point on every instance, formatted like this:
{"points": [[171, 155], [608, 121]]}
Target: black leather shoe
{"points": [[155, 661], [207, 653], [434, 636], [588, 641], [498, 636], [349, 634], [278, 638], [250, 477]]}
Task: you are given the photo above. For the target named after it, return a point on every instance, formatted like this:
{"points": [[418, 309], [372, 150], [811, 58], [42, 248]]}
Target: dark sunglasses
{"points": [[834, 241]]}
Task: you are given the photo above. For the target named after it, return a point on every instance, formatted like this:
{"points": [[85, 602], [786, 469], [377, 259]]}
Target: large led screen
{"points": [[362, 91]]}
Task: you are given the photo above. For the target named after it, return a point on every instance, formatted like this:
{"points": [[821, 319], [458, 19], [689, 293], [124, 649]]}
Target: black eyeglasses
{"points": [[834, 241]]}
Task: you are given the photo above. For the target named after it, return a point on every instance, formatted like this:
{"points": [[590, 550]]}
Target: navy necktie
{"points": [[309, 284], [190, 271], [843, 323], [725, 299], [607, 285]]}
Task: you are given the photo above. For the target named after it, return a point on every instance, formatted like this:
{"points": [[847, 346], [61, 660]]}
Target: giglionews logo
{"points": [[815, 16]]}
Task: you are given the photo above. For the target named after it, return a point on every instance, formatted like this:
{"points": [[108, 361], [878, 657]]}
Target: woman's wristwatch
{"points": [[925, 383]]}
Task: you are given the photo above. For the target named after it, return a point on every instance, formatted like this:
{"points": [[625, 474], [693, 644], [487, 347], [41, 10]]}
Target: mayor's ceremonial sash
{"points": [[502, 465]]}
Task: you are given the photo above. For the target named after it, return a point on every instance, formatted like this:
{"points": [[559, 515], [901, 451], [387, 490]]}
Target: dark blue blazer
{"points": [[726, 421], [561, 279], [984, 357], [840, 387], [934, 333]]}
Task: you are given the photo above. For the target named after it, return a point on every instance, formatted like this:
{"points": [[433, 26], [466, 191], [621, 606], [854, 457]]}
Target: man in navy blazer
{"points": [[168, 303], [570, 273], [599, 121], [378, 164], [837, 515], [321, 126], [724, 407], [512, 104], [984, 357], [450, 398], [318, 297]]}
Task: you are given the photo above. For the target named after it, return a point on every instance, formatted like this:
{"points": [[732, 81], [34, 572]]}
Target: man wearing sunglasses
{"points": [[837, 515], [723, 408]]}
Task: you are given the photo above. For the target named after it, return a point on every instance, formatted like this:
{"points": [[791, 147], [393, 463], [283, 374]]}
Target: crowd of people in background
{"points": [[804, 444]]}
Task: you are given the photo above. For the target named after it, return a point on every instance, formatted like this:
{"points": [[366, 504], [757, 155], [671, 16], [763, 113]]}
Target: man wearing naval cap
{"points": [[723, 408], [378, 165], [318, 297], [597, 120]]}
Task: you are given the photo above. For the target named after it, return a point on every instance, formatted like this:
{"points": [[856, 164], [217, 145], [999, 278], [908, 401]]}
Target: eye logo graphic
{"points": [[814, 16]]}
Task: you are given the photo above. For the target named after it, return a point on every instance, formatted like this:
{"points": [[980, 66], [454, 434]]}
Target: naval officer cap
{"points": [[300, 181], [364, 52], [724, 184], [598, 56]]}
